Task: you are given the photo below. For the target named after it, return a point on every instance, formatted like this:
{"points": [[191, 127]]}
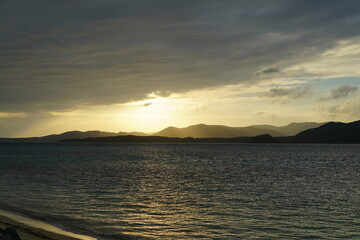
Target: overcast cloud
{"points": [[340, 92], [290, 92], [348, 110], [58, 55]]}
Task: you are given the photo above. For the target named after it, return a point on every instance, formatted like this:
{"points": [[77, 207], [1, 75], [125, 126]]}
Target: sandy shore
{"points": [[25, 234], [30, 229]]}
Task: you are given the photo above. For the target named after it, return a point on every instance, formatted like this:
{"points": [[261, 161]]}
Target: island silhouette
{"points": [[332, 132], [193, 131], [308, 132]]}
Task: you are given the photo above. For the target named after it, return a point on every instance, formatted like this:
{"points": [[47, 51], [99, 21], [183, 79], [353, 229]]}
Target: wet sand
{"points": [[30, 229]]}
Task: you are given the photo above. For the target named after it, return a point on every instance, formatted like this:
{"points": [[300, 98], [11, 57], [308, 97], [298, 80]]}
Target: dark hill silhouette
{"points": [[290, 129], [215, 131], [329, 133], [199, 131], [332, 132], [69, 135], [265, 138], [160, 139]]}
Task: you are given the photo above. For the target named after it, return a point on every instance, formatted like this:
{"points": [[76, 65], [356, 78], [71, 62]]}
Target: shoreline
{"points": [[32, 229]]}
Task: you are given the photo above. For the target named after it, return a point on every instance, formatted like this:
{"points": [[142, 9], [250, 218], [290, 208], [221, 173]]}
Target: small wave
{"points": [[38, 227]]}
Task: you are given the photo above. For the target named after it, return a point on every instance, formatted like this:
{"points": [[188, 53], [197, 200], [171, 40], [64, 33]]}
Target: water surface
{"points": [[186, 191]]}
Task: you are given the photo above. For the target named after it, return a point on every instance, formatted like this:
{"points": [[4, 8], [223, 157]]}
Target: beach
{"points": [[31, 229]]}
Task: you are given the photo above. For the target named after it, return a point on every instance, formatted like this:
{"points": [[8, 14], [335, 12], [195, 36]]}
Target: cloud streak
{"points": [[11, 115], [268, 71], [346, 111], [340, 92], [287, 92]]}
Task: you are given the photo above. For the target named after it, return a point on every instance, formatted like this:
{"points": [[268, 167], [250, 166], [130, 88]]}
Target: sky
{"points": [[140, 65]]}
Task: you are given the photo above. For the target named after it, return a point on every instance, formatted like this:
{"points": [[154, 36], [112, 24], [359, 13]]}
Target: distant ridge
{"points": [[332, 132], [69, 135], [194, 131], [220, 131], [292, 128], [214, 131]]}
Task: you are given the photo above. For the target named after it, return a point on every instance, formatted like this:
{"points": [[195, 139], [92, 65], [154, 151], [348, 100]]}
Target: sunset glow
{"points": [[197, 64]]}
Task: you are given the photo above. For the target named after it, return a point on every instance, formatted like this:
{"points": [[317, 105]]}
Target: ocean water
{"points": [[186, 191]]}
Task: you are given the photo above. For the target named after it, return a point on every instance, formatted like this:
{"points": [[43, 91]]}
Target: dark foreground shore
{"points": [[30, 229]]}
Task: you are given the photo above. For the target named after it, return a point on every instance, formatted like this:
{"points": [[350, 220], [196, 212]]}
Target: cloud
{"points": [[268, 71], [12, 115], [340, 92], [346, 111], [146, 104], [59, 55], [288, 92]]}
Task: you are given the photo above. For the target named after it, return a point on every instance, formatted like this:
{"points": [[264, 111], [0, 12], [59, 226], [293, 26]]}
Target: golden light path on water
{"points": [[164, 208]]}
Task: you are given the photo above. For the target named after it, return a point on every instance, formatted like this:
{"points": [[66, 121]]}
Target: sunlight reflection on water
{"points": [[224, 191]]}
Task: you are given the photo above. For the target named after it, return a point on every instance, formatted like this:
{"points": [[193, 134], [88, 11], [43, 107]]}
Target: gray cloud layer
{"points": [[340, 92], [61, 54], [294, 92], [348, 111], [268, 71]]}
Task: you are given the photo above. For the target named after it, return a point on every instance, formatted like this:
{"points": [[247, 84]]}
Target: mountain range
{"points": [[220, 131], [70, 135], [194, 131], [332, 132]]}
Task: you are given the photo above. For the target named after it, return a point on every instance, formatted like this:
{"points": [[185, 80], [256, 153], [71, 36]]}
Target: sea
{"points": [[186, 191]]}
